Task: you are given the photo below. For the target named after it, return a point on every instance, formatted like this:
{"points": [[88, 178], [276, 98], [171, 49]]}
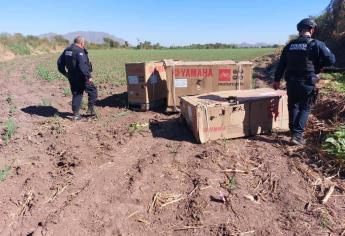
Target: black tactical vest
{"points": [[71, 57], [300, 56]]}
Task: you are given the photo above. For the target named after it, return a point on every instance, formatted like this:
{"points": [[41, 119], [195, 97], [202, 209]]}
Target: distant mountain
{"points": [[48, 36], [90, 36]]}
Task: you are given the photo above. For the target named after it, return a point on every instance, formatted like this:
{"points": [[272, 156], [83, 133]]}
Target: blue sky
{"points": [[170, 22]]}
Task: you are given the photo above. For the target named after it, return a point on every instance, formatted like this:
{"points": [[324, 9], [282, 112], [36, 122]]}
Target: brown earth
{"points": [[5, 54], [103, 177]]}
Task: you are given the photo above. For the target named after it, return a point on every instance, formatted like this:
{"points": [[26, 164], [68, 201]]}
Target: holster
{"points": [[314, 96]]}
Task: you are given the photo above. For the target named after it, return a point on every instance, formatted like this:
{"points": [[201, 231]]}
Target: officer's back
{"points": [[306, 56], [76, 60]]}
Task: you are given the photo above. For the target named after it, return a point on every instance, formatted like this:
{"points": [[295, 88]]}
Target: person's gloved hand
{"points": [[276, 85]]}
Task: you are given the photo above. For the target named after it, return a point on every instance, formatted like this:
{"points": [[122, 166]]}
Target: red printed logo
{"points": [[225, 75], [273, 109], [193, 72], [214, 129]]}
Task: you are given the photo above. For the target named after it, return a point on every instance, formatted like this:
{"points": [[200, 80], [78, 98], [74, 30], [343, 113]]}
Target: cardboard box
{"points": [[191, 78], [146, 85], [233, 114]]}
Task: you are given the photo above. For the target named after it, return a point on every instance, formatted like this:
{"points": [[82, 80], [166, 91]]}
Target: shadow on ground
{"points": [[279, 138], [45, 111], [117, 100], [172, 129]]}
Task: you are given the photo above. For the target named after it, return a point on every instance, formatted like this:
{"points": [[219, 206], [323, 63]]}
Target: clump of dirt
{"points": [[330, 107], [264, 69]]}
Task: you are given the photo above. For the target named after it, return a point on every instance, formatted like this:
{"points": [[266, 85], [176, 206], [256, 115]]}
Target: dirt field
{"points": [[102, 177]]}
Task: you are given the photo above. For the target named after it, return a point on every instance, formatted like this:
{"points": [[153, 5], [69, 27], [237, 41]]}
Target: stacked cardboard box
{"points": [[232, 114], [191, 78], [146, 85], [151, 84]]}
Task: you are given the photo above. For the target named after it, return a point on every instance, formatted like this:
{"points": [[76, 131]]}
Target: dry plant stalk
{"points": [[235, 171], [164, 199], [189, 227], [328, 194], [153, 203], [133, 214], [27, 201], [245, 233]]}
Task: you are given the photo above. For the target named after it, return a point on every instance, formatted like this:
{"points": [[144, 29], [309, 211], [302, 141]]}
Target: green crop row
{"points": [[109, 65]]}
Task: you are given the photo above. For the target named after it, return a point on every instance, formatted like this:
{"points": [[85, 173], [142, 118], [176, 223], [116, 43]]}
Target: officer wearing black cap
{"points": [[301, 60], [75, 59]]}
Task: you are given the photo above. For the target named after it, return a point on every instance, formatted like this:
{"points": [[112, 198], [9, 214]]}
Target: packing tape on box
{"points": [[174, 89], [239, 76], [282, 117], [206, 113]]}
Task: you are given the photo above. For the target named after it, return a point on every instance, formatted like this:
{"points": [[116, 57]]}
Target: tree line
{"points": [[19, 44], [331, 29]]}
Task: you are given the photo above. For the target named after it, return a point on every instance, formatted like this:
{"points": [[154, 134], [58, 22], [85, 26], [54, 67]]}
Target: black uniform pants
{"points": [[77, 90], [300, 93]]}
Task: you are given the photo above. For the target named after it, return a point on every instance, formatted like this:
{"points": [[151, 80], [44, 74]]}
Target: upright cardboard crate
{"points": [[191, 78], [146, 85]]}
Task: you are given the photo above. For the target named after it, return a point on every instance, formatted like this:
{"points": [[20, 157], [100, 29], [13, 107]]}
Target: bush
{"points": [[335, 144], [20, 49], [337, 82], [331, 28]]}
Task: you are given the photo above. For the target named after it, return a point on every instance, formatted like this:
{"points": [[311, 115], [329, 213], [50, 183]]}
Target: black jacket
{"points": [[303, 57], [77, 63]]}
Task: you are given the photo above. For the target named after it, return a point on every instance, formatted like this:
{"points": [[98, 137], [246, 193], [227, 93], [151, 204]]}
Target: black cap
{"points": [[306, 23]]}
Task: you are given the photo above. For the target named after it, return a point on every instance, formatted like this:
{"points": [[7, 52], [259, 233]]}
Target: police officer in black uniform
{"points": [[75, 59], [301, 60]]}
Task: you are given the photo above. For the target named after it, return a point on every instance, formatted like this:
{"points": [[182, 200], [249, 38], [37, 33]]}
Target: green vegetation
{"points": [[335, 144], [21, 45], [109, 65], [331, 27], [67, 92], [230, 183], [46, 102], [137, 127], [326, 221], [13, 108], [20, 49], [9, 99], [4, 172], [337, 82], [10, 128], [45, 73]]}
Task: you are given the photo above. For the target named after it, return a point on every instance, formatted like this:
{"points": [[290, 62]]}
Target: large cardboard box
{"points": [[191, 78], [233, 114], [146, 85]]}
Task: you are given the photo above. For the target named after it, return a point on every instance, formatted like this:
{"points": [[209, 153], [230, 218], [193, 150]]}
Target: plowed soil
{"points": [[134, 173]]}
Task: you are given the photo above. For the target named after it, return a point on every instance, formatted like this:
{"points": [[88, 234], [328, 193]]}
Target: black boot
{"points": [[76, 116], [297, 140], [91, 111]]}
